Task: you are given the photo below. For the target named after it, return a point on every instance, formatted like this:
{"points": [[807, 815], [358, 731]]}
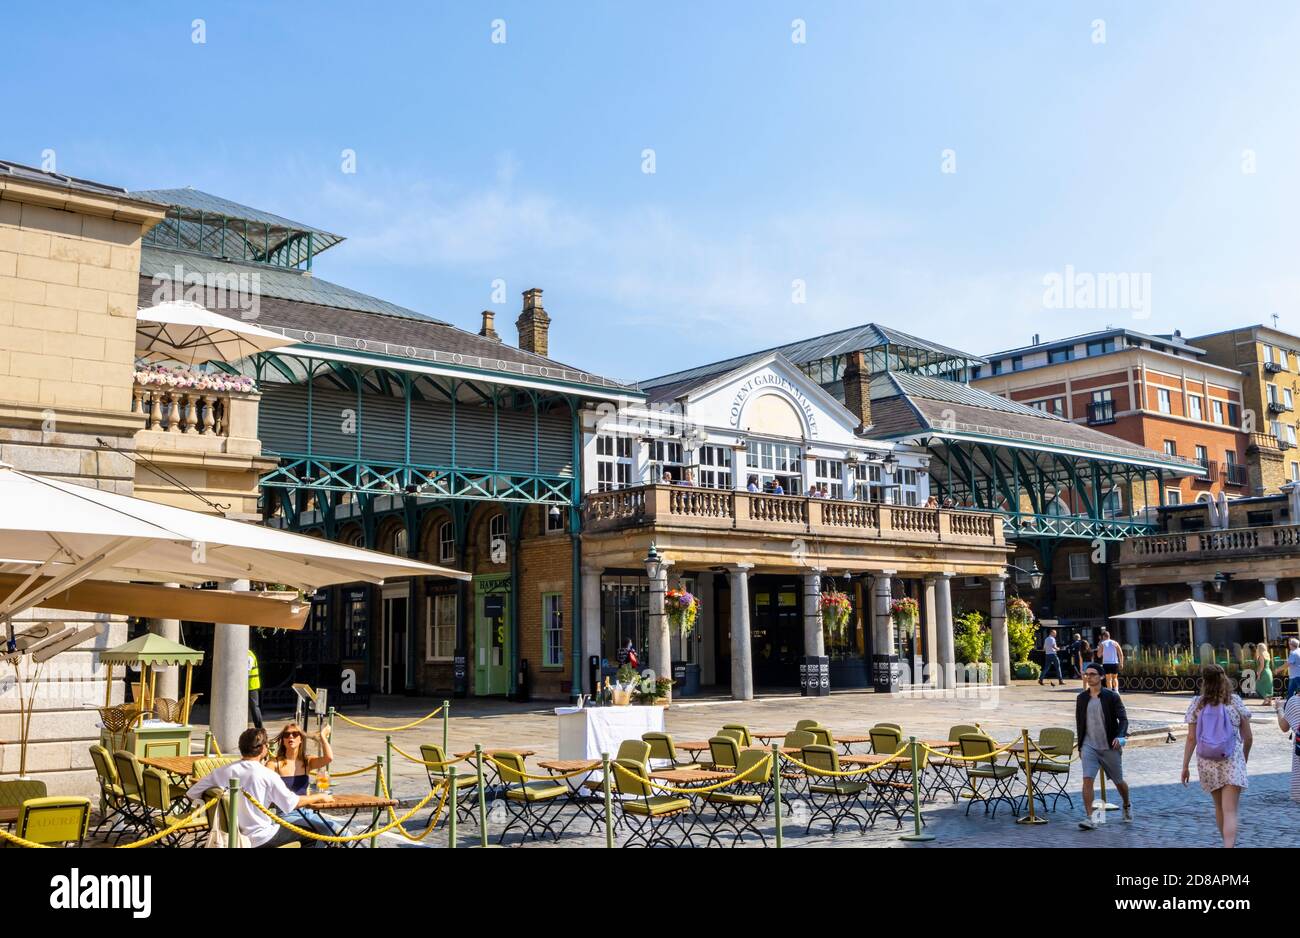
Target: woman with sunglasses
{"points": [[295, 767]]}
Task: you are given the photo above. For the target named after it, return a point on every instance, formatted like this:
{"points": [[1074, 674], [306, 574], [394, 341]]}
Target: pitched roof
{"points": [[31, 174], [197, 200], [866, 336]]}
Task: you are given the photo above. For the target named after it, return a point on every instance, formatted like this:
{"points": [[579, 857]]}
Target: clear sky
{"points": [[1169, 150]]}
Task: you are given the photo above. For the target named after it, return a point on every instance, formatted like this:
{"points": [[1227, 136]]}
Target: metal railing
{"points": [[1101, 412]]}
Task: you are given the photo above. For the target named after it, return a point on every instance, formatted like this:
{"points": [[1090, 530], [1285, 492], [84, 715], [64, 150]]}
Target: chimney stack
{"points": [[533, 324], [857, 388], [489, 330]]}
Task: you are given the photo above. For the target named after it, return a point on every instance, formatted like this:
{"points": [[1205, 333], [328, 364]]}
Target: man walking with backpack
{"points": [[1102, 726]]}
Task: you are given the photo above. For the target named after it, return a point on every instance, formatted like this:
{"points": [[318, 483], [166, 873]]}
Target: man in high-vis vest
{"points": [[254, 685]]}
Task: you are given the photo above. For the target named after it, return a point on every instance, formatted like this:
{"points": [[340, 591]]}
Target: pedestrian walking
{"points": [[254, 690], [1292, 667], [1288, 721], [1218, 731], [1112, 659], [1051, 659], [1101, 723], [1083, 658]]}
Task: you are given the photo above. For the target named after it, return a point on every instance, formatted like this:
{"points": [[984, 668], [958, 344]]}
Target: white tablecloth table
{"points": [[587, 732]]}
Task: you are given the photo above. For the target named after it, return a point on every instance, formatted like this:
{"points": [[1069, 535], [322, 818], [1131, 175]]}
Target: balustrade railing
{"points": [[172, 410], [1239, 541]]}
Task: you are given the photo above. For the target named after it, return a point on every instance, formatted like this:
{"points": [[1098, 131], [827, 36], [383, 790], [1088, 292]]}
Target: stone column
{"points": [[946, 676], [706, 627], [742, 670], [591, 644], [1200, 627], [1132, 627], [169, 678], [931, 613], [1272, 627], [228, 713], [814, 641], [998, 625], [661, 649]]}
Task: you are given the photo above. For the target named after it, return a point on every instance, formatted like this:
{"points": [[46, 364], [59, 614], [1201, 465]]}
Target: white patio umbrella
{"points": [[1257, 609], [63, 534], [186, 332], [1189, 609]]}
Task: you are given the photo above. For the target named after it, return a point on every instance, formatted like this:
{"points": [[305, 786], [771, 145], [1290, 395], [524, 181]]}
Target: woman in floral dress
{"points": [[1224, 779]]}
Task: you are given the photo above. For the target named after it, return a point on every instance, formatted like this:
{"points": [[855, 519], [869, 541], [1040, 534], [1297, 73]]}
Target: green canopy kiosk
{"points": [[149, 652]]}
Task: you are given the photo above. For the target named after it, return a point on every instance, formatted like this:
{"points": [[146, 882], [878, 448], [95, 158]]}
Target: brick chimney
{"points": [[857, 388], [533, 323], [489, 330]]}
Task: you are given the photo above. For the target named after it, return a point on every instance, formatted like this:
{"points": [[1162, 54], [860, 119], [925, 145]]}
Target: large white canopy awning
{"points": [[59, 534], [186, 332], [1185, 609]]}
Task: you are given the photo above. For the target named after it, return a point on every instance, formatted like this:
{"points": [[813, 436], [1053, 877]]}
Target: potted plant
{"points": [[625, 683], [905, 612], [1020, 637], [836, 609], [682, 607]]}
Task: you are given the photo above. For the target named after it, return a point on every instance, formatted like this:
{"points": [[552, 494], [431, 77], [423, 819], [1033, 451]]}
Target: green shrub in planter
{"points": [[1027, 670]]}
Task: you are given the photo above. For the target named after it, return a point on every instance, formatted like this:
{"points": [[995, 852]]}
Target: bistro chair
{"points": [[205, 767], [1052, 775], [739, 806], [58, 820], [650, 817], [663, 751], [533, 805], [634, 750], [733, 734], [794, 780], [111, 796], [822, 734], [724, 753], [745, 739], [886, 739], [155, 788], [219, 813], [989, 782], [465, 797], [15, 791], [130, 777], [806, 724], [834, 798]]}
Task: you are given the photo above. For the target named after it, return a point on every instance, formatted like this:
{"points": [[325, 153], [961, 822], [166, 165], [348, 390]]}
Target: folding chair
{"points": [[834, 798], [130, 777], [649, 817], [663, 751], [745, 739], [995, 778], [58, 820], [724, 753], [111, 795], [533, 805], [822, 735], [794, 780], [1052, 775], [155, 790], [740, 805], [806, 724], [465, 797]]}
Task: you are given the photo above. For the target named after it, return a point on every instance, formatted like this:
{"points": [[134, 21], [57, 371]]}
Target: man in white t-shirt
{"points": [[1292, 667], [264, 785], [1112, 659], [1051, 659]]}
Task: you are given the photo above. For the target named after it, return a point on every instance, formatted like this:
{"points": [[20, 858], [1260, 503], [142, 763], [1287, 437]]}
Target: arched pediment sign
{"points": [[770, 403]]}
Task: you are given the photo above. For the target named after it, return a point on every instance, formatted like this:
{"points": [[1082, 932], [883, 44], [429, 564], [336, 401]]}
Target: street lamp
{"points": [[653, 562], [1034, 573], [1220, 579], [890, 463]]}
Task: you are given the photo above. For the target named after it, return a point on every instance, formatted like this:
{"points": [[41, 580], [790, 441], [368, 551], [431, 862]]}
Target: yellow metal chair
{"points": [[156, 791], [806, 724], [465, 797], [533, 805], [745, 738], [989, 782], [834, 798], [1052, 775], [738, 807], [649, 816], [724, 752], [58, 820], [663, 750], [111, 796]]}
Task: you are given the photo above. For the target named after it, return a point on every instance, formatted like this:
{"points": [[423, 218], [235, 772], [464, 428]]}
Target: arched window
{"points": [[401, 542], [446, 542], [497, 527]]}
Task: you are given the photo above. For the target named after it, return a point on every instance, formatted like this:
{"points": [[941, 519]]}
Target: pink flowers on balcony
{"points": [[184, 379]]}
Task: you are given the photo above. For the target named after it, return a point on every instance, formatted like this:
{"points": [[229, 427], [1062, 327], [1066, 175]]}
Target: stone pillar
{"points": [[1200, 627], [814, 641], [742, 670], [931, 625], [882, 627], [1272, 627], [998, 626], [591, 644], [1132, 627], [946, 676], [707, 628], [169, 678], [228, 713], [661, 649]]}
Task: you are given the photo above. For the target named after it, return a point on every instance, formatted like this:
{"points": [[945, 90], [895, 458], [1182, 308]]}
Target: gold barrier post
{"points": [[1031, 818]]}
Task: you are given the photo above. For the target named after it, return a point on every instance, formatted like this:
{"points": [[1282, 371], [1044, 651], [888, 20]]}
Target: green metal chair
{"points": [[110, 789], [834, 798], [738, 807], [465, 797], [58, 820], [649, 816], [733, 734], [745, 738], [1051, 777], [794, 780], [806, 724], [989, 782], [886, 739], [636, 750], [155, 789], [822, 734], [533, 805], [724, 753], [130, 777], [662, 750]]}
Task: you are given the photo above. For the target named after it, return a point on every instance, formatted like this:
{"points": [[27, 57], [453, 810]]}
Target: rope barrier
{"points": [[982, 758], [387, 729], [852, 773], [704, 790], [361, 771], [342, 838], [433, 819], [431, 765], [1054, 757], [170, 829], [20, 841], [541, 778]]}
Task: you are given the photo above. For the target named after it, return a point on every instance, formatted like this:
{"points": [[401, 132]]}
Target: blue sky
{"points": [[775, 161]]}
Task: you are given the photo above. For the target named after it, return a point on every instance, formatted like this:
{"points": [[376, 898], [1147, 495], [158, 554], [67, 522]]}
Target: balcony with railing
{"points": [[754, 513], [1101, 412], [1235, 474], [1279, 407], [1223, 544]]}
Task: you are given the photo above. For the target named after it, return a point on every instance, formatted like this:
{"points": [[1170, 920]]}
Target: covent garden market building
{"points": [[856, 462]]}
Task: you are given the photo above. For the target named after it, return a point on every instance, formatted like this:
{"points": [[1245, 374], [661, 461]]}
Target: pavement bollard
{"points": [[388, 761], [374, 815], [446, 716], [1031, 817], [451, 818], [776, 790], [207, 743], [232, 827]]}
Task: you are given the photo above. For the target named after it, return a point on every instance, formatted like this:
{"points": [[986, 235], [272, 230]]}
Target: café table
{"points": [[849, 740], [492, 783], [9, 816], [891, 791], [693, 778], [355, 804], [582, 789], [693, 746]]}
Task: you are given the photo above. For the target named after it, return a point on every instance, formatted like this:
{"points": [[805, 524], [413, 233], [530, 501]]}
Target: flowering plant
{"points": [[682, 608], [904, 612], [1018, 610], [835, 610], [161, 376]]}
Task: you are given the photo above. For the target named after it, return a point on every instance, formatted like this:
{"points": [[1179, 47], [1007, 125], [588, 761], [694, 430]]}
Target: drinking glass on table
{"points": [[322, 781]]}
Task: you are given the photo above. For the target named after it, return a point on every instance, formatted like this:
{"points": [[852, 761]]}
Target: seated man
{"points": [[264, 785]]}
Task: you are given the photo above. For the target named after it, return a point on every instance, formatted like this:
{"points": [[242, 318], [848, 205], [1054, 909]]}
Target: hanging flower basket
{"points": [[836, 611], [682, 608], [1019, 611], [904, 612]]}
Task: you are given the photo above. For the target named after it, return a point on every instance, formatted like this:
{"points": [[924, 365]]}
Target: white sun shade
{"points": [[186, 332]]}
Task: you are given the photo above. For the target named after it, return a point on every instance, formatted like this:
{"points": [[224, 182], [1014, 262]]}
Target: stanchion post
{"points": [[917, 835], [330, 720], [1031, 817], [388, 761], [207, 743], [451, 818], [1106, 805], [374, 815], [232, 817], [446, 715], [609, 800], [482, 796], [776, 791]]}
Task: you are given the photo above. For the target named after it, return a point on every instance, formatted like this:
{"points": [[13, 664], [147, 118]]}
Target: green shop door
{"points": [[492, 639]]}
